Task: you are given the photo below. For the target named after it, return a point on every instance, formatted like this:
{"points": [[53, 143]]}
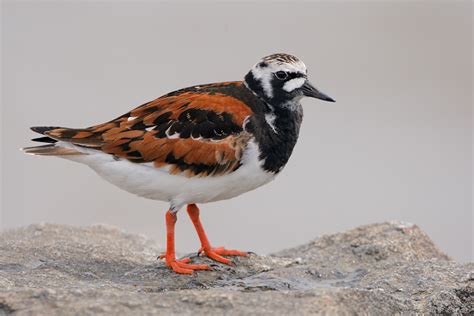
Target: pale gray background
{"points": [[396, 145]]}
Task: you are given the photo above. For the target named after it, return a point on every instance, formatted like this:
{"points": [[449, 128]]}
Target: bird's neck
{"points": [[276, 131], [279, 138], [276, 127]]}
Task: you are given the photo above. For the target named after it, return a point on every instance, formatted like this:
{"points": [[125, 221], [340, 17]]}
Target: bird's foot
{"points": [[182, 266], [217, 253]]}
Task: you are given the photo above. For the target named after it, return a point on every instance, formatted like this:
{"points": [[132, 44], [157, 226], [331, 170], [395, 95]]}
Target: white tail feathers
{"points": [[50, 150]]}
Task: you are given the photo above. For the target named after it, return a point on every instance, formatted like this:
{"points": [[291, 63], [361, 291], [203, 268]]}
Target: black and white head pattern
{"points": [[278, 78]]}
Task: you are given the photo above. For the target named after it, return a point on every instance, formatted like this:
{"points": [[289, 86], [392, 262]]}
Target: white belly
{"points": [[158, 184]]}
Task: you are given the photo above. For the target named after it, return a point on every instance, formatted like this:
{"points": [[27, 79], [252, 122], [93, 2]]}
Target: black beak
{"points": [[310, 91]]}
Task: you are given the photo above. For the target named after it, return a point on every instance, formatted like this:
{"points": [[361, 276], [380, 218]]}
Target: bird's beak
{"points": [[310, 91]]}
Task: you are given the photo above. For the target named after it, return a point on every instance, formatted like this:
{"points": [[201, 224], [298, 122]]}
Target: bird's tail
{"points": [[51, 149]]}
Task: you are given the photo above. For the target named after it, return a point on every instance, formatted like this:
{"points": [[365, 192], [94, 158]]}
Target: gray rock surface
{"points": [[377, 269]]}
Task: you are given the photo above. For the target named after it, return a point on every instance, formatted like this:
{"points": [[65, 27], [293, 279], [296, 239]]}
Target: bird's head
{"points": [[281, 79]]}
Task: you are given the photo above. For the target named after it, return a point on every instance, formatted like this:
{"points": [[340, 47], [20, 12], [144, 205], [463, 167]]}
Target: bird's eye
{"points": [[281, 75]]}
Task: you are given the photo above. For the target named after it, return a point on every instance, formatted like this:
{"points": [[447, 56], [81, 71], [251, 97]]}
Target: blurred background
{"points": [[396, 145]]}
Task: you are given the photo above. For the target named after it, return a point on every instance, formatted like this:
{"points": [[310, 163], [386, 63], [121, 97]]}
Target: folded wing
{"points": [[196, 131]]}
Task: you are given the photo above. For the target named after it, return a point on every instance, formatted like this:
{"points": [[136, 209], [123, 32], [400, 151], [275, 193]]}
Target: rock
{"points": [[376, 269]]}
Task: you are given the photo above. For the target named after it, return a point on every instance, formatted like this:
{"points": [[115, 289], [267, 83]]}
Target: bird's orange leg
{"points": [[213, 253], [179, 266]]}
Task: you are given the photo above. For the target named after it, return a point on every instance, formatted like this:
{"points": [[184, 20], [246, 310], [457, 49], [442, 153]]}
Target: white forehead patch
{"points": [[265, 74], [294, 84]]}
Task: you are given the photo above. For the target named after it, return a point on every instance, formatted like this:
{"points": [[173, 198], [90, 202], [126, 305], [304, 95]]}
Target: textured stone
{"points": [[378, 269]]}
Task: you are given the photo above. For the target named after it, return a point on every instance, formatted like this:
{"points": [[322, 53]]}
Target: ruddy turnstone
{"points": [[195, 145]]}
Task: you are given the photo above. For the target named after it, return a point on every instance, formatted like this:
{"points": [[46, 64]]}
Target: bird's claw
{"points": [[217, 254], [182, 266]]}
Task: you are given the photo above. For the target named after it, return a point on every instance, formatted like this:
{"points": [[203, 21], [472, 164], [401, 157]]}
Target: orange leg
{"points": [[213, 253], [178, 266]]}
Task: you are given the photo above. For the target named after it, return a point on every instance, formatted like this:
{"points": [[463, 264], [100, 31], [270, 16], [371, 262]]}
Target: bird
{"points": [[200, 144]]}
